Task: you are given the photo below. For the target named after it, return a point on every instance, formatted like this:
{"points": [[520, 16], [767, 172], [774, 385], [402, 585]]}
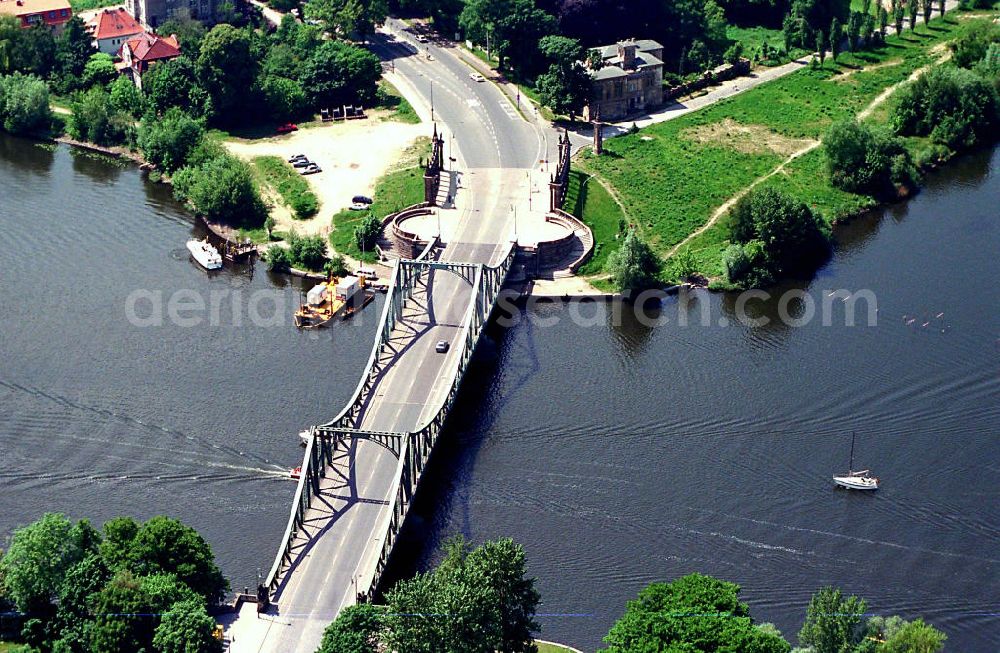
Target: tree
{"points": [[174, 84], [126, 98], [116, 543], [74, 45], [970, 48], [910, 637], [24, 103], [565, 88], [633, 266], [836, 34], [832, 622], [501, 567], [73, 616], [227, 70], [862, 159], [927, 8], [167, 142], [898, 15], [122, 621], [338, 73], [284, 98], [357, 629], [36, 50], [100, 69], [38, 559], [660, 619], [779, 236], [221, 189], [165, 545], [911, 10], [883, 22], [854, 30], [93, 119], [278, 259], [186, 628], [941, 7], [511, 29], [347, 18], [821, 47], [190, 32], [367, 233], [954, 106], [307, 252]]}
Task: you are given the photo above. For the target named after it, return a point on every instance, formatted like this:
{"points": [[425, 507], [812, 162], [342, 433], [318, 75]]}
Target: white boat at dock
{"points": [[206, 255]]}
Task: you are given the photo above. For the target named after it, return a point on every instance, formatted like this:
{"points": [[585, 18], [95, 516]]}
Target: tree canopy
{"points": [[633, 266], [692, 614]]}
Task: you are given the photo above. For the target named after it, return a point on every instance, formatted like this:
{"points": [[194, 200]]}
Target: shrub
{"points": [[367, 233], [953, 106], [633, 266], [222, 189], [971, 47], [736, 262], [861, 159], [278, 259], [780, 236], [168, 141], [24, 103], [336, 266], [931, 155], [307, 252], [94, 120]]}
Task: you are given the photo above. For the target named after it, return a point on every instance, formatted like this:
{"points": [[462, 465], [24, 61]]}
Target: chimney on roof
{"points": [[626, 51]]}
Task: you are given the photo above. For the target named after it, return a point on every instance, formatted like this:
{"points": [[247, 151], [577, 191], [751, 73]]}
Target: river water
{"points": [[617, 452]]}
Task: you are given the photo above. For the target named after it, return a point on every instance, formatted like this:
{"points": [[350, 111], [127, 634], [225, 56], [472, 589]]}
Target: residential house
{"points": [[54, 13], [141, 52], [152, 13], [629, 81], [112, 28]]}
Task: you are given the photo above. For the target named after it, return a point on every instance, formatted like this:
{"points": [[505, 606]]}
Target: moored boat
{"points": [[326, 300], [206, 255]]}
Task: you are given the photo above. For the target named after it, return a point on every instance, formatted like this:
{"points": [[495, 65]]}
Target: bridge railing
{"points": [[417, 447], [318, 455]]}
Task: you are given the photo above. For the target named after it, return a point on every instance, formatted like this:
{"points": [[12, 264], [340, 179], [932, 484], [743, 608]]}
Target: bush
{"points": [[168, 141], [971, 47], [335, 267], [222, 189], [633, 266], [954, 106], [94, 120], [307, 252], [367, 233], [24, 103], [780, 236], [861, 159], [278, 258], [931, 155]]}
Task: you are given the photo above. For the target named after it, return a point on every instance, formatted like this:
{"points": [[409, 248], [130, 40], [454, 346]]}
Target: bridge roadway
{"points": [[340, 539]]}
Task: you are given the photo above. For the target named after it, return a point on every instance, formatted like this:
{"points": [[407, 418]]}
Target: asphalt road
{"points": [[494, 149]]}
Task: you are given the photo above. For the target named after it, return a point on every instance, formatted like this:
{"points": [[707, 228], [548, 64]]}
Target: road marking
{"points": [[473, 102], [508, 109]]}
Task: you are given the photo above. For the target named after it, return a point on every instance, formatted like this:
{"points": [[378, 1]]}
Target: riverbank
{"points": [[768, 137]]}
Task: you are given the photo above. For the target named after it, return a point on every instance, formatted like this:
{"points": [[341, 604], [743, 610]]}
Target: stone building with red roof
{"points": [[144, 51], [54, 13], [112, 28]]}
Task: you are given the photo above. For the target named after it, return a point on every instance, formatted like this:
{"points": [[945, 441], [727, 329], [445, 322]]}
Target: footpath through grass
{"points": [[546, 647], [672, 176], [399, 188]]}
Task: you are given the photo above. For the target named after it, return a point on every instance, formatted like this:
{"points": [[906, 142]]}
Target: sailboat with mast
{"points": [[853, 480]]}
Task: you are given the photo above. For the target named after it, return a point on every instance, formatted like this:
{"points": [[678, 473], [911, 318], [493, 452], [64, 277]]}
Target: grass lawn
{"points": [[6, 647], [399, 188], [394, 100], [289, 184], [551, 648], [588, 200], [672, 176], [84, 5]]}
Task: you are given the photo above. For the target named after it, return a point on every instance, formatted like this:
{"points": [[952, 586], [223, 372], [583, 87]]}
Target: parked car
{"points": [[476, 77], [442, 346], [311, 170], [296, 157], [361, 199], [287, 128], [302, 163], [421, 38], [358, 206]]}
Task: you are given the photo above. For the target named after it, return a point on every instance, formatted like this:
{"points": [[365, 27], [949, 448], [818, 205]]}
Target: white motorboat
{"points": [[206, 255], [853, 480]]}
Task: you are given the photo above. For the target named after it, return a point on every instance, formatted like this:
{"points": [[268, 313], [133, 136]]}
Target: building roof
{"points": [[26, 7], [641, 45], [150, 47], [115, 23], [614, 64]]}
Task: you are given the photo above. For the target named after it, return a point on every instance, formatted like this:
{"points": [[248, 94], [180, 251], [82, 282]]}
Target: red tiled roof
{"points": [[24, 7], [114, 23], [150, 47]]}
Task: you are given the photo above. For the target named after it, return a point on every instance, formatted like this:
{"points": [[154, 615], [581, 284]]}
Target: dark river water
{"points": [[619, 452]]}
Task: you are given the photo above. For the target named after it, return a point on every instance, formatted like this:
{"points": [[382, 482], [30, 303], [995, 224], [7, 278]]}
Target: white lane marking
{"points": [[510, 111], [473, 102]]}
